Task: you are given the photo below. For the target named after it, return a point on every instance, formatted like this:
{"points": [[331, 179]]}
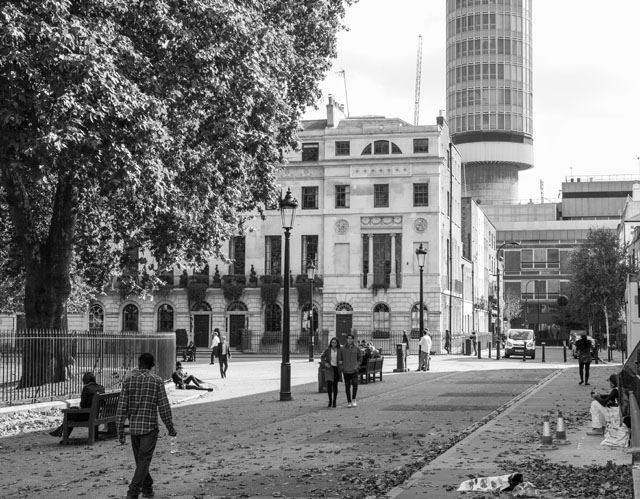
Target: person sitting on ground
{"points": [[604, 407], [183, 380], [90, 387]]}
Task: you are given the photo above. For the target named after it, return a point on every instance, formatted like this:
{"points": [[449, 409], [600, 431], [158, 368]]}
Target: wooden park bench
{"points": [[368, 373], [102, 411]]}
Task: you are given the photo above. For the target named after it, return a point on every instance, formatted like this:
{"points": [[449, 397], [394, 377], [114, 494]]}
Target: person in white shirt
{"points": [[215, 341], [424, 345]]}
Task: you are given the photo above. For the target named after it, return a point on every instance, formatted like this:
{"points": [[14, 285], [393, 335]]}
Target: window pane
{"points": [[422, 145], [309, 198], [310, 151], [343, 148], [381, 195], [165, 318], [272, 257], [237, 254], [420, 194], [96, 318], [342, 196], [381, 147]]}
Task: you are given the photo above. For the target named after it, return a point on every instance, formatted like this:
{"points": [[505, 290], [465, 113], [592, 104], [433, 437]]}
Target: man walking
{"points": [[215, 341], [224, 354], [349, 359], [425, 344], [142, 397]]}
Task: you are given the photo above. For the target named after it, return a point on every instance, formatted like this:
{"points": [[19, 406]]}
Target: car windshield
{"points": [[520, 335]]}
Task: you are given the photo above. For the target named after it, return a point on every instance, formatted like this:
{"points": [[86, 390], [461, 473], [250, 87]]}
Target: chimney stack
{"points": [[335, 112]]}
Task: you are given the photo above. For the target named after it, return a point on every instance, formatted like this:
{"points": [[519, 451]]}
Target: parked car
{"points": [[574, 351], [520, 342]]}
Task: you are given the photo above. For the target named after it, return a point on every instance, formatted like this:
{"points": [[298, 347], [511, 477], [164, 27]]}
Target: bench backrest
{"points": [[104, 405]]}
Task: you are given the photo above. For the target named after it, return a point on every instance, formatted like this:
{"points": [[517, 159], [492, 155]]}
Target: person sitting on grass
{"points": [[183, 380]]}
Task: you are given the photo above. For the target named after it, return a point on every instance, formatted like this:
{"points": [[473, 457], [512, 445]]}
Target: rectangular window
{"points": [[420, 146], [309, 198], [310, 151], [343, 148], [381, 195], [237, 254], [309, 252], [420, 194], [553, 259], [272, 255], [343, 193]]}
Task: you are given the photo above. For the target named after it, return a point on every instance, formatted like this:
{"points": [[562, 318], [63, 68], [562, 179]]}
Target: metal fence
{"points": [[270, 342], [40, 365]]}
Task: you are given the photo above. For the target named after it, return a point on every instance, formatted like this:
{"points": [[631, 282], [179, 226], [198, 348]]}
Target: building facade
{"points": [[490, 93]]}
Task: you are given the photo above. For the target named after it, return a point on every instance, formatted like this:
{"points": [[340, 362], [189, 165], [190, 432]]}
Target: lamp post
{"points": [[288, 207], [311, 273], [499, 318], [526, 296], [421, 255]]}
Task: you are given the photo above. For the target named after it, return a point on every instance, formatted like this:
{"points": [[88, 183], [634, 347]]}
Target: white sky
{"points": [[586, 80]]}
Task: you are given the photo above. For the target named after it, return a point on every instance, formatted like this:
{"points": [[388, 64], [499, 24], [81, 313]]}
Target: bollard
{"points": [[564, 352], [546, 442], [543, 344], [489, 345], [524, 351], [561, 434], [498, 350], [479, 350], [609, 353]]}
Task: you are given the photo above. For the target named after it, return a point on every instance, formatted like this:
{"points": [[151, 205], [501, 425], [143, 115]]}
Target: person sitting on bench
{"points": [[86, 398], [183, 380], [189, 354]]}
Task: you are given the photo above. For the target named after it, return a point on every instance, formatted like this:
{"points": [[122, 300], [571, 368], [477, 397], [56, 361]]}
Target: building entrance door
{"points": [[236, 326], [201, 330], [343, 327]]}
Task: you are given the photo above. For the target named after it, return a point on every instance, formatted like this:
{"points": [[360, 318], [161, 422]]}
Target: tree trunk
{"points": [[47, 287]]}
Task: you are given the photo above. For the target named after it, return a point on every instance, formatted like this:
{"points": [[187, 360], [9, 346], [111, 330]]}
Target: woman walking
{"points": [[332, 374]]}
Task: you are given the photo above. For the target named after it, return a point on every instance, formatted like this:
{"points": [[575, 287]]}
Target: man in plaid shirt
{"points": [[142, 397]]}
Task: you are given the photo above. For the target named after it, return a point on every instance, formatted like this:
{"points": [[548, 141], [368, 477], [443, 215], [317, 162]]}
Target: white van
{"points": [[518, 341]]}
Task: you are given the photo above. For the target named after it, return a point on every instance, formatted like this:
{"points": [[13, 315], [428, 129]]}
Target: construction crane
{"points": [[346, 97], [416, 113]]}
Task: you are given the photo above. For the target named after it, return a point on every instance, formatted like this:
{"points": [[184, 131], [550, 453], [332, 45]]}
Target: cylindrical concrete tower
{"points": [[489, 93]]}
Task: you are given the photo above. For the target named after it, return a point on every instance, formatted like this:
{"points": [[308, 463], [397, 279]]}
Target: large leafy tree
{"points": [[153, 123], [600, 269]]}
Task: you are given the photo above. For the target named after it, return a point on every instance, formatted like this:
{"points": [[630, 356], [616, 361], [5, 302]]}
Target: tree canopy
{"points": [[158, 124], [598, 284]]}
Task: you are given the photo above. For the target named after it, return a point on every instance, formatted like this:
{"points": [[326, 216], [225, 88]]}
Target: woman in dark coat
{"points": [[332, 374]]}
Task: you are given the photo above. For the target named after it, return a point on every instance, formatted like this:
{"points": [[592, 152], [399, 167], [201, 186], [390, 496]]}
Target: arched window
{"points": [[130, 318], [381, 147], [96, 318], [415, 319], [165, 318], [237, 306], [273, 318], [201, 306], [381, 320]]}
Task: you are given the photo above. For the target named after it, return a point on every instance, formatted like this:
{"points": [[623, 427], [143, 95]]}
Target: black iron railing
{"points": [[40, 365]]}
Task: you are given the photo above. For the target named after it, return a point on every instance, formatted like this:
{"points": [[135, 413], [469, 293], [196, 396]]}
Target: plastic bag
{"points": [[485, 484]]}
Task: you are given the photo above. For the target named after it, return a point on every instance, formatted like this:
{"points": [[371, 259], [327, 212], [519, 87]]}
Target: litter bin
{"points": [[322, 383], [467, 347], [401, 352]]}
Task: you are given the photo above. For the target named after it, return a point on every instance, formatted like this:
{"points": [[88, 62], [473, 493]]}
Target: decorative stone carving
{"points": [[420, 225], [342, 227], [386, 222]]}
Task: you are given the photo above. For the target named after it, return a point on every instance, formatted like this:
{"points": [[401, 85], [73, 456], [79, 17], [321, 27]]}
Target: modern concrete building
{"points": [[538, 270], [490, 93]]}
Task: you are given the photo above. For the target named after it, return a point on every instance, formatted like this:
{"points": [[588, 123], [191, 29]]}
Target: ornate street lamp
{"points": [[421, 255], [288, 207], [311, 273], [499, 318]]}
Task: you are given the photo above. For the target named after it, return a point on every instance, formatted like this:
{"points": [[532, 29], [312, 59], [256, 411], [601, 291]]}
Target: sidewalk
{"points": [[492, 449]]}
